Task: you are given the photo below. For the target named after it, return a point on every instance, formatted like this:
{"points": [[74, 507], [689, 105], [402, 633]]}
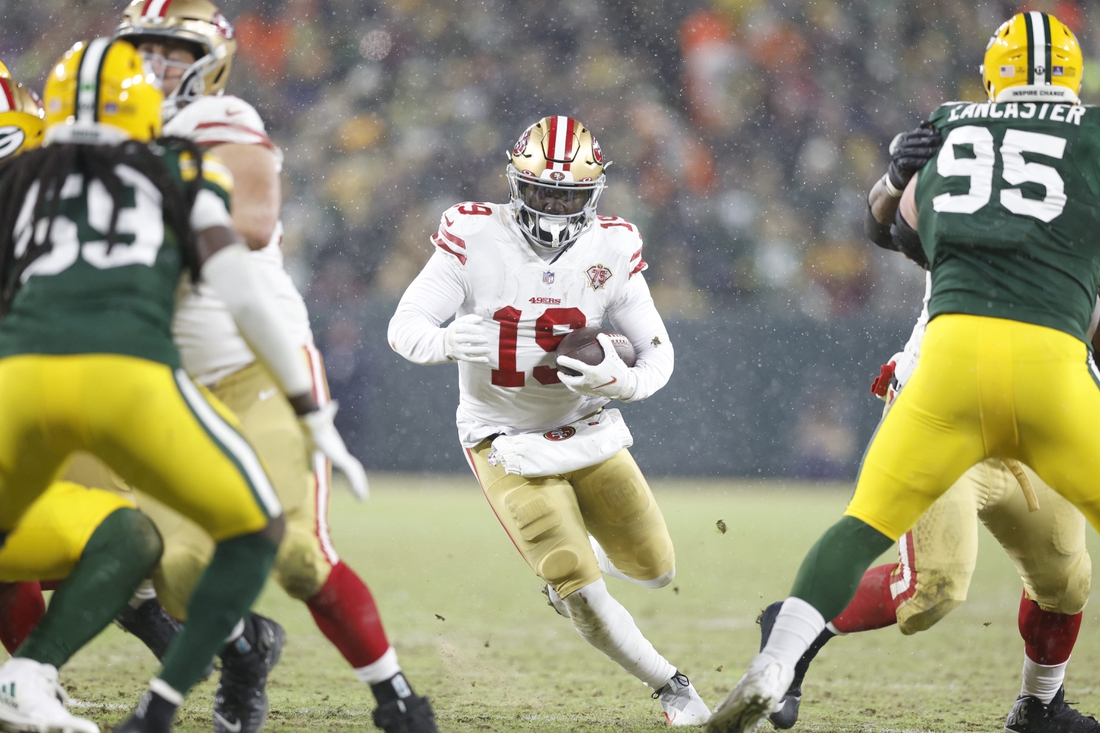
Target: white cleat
{"points": [[31, 700], [681, 703], [759, 693]]}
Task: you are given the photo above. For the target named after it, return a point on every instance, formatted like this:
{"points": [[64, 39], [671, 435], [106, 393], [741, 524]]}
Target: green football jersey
{"points": [[80, 296], [1010, 212]]}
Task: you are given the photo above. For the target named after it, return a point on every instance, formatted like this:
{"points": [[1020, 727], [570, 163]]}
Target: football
{"points": [[583, 346]]}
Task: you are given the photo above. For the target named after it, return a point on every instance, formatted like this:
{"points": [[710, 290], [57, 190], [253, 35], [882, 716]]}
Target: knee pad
{"points": [[1064, 591], [660, 581], [300, 567]]}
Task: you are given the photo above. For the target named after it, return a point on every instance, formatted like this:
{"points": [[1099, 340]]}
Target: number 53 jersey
{"points": [[1010, 212], [483, 265]]}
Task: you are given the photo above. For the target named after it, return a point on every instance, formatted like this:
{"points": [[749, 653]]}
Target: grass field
{"points": [[474, 634]]}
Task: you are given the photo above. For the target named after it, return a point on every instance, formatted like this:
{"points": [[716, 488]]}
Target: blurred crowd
{"points": [[744, 134]]}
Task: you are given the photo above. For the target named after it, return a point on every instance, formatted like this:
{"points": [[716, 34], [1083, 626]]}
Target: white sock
{"points": [[608, 568], [606, 625], [144, 592], [380, 670], [796, 627], [1042, 680], [236, 633]]}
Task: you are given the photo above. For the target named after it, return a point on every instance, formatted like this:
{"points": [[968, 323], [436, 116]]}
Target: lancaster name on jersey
{"points": [[483, 265], [208, 340]]}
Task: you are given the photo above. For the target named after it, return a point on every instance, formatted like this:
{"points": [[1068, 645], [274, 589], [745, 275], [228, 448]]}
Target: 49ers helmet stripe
{"points": [[560, 141], [87, 96], [155, 8], [8, 100]]}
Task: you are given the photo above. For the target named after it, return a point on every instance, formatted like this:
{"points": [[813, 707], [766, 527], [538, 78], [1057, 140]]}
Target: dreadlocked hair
{"points": [[47, 169]]}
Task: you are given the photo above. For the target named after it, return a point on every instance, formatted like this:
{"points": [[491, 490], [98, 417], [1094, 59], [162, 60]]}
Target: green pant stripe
{"points": [[232, 444]]}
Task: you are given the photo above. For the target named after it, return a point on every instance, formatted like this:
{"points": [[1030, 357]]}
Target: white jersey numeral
{"points": [[144, 220], [1017, 171]]}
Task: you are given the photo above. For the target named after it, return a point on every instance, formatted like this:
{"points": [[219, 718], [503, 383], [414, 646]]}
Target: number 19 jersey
{"points": [[1009, 212], [484, 265]]}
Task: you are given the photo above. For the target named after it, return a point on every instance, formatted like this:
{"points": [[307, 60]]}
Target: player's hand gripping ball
{"points": [[597, 361]]}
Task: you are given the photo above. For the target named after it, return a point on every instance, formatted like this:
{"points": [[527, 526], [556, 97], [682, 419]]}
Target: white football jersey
{"points": [[484, 265], [209, 343]]}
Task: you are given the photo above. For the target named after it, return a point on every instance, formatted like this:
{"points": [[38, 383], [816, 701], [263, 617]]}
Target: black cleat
{"points": [[787, 715], [1029, 715], [240, 702], [411, 714], [154, 714], [150, 623]]}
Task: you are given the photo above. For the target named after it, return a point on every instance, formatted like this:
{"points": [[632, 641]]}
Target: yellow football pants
{"points": [[152, 425], [984, 388], [50, 538]]}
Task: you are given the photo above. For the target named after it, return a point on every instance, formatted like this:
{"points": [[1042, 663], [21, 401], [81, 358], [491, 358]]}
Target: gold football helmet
{"points": [[1032, 50], [555, 174], [100, 84], [22, 121], [197, 22]]}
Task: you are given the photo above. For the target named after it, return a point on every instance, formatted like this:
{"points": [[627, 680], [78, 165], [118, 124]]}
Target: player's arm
{"points": [[635, 316], [909, 152], [416, 332], [225, 265], [256, 193]]}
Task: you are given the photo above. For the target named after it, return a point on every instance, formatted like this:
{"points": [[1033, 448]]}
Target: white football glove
{"points": [[610, 378], [322, 435], [465, 340]]}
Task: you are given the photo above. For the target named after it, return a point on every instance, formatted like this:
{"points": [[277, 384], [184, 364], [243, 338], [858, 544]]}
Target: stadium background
{"points": [[744, 135]]}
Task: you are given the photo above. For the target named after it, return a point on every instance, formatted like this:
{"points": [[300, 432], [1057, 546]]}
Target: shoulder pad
{"points": [[468, 217], [459, 222], [219, 119], [943, 111], [625, 238]]}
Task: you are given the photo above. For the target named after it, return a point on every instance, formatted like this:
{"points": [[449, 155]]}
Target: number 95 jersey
{"points": [[1009, 210], [484, 265]]}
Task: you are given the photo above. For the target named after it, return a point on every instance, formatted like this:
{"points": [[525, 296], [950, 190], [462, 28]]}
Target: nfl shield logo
{"points": [[548, 278]]}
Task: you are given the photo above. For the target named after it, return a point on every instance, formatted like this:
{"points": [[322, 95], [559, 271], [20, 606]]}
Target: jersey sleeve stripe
{"points": [[637, 255], [261, 139], [457, 241], [642, 265], [438, 242]]}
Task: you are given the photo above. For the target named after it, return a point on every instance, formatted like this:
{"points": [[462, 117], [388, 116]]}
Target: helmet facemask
{"points": [[553, 214]]}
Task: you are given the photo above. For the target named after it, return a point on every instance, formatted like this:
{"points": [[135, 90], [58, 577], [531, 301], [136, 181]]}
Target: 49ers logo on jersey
{"points": [[598, 275], [564, 433]]}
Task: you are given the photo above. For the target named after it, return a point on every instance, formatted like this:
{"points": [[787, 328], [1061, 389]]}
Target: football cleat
{"points": [[32, 700], [240, 702], [681, 703], [1030, 715], [411, 714], [554, 601], [787, 715], [758, 694]]}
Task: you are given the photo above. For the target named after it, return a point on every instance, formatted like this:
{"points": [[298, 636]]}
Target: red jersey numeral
{"points": [[508, 318], [475, 209]]}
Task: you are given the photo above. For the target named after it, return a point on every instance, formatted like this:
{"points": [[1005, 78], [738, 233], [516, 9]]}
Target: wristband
{"points": [[894, 192]]}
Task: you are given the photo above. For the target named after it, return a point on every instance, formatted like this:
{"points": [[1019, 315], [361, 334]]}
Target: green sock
{"points": [[122, 552], [833, 567], [224, 593]]}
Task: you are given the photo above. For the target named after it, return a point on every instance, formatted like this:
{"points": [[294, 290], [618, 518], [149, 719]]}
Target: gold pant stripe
{"points": [[235, 446]]}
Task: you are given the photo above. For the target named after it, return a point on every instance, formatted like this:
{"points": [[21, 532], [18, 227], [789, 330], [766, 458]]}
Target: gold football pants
{"points": [[984, 388], [306, 555], [549, 519], [152, 425], [936, 558]]}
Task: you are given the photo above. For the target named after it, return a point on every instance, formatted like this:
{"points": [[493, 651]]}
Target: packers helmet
{"points": [[196, 22], [22, 121], [558, 159], [1030, 51], [100, 84]]}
